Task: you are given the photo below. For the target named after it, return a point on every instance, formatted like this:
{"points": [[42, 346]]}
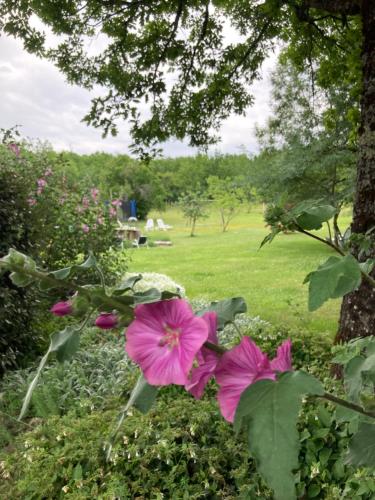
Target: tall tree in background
{"points": [[145, 41], [309, 142]]}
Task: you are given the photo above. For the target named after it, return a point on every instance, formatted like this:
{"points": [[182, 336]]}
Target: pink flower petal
{"points": [[283, 360], [207, 360], [236, 370]]}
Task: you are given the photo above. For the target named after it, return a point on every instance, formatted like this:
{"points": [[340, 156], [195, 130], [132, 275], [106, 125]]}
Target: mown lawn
{"points": [[217, 265]]}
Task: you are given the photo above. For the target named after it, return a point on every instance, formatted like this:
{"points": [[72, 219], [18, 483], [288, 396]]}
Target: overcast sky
{"points": [[35, 95]]}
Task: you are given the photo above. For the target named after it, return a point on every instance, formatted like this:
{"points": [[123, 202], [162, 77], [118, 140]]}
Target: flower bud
{"points": [[62, 308], [106, 321]]}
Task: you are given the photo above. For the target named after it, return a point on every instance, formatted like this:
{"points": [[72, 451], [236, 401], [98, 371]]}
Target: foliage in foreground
{"points": [[181, 449]]}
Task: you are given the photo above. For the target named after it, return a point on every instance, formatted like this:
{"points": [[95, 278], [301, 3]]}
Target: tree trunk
{"points": [[358, 308]]}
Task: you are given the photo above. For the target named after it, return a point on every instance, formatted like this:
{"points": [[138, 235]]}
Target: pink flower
{"points": [[112, 212], [62, 308], [164, 340], [15, 149], [31, 202], [207, 360], [94, 193], [116, 202], [85, 228], [243, 365], [106, 321], [100, 221], [42, 183], [85, 202]]}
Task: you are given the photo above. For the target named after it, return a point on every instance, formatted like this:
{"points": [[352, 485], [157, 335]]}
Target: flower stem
{"points": [[365, 276], [347, 404], [69, 285]]}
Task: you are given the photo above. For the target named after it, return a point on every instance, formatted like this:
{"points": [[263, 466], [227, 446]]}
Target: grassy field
{"points": [[217, 265]]}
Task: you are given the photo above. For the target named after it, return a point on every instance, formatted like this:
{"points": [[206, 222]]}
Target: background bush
{"points": [[44, 215]]}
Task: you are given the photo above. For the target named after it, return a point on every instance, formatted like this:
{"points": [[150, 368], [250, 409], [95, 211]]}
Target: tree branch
{"points": [[344, 7]]}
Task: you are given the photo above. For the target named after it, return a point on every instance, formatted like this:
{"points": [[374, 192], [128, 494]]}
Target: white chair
{"points": [[162, 226], [149, 225]]}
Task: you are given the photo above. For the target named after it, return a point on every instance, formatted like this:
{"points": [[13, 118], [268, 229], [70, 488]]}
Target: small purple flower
{"points": [[31, 202], [106, 321], [85, 228], [42, 183], [62, 308], [85, 202], [15, 149]]}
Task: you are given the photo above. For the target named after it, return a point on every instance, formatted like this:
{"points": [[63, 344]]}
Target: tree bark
{"points": [[357, 317]]}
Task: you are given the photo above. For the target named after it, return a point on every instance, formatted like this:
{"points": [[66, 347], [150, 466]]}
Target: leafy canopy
{"points": [[174, 56]]}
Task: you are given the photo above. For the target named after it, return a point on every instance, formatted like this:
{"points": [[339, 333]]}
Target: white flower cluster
{"points": [[161, 282]]}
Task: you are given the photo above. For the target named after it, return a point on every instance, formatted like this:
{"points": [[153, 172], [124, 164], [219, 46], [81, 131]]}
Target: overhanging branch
{"points": [[344, 7]]}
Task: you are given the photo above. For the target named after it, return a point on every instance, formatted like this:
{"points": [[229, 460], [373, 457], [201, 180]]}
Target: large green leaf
{"points": [[226, 310], [334, 278], [269, 409], [310, 215], [142, 397], [362, 446]]}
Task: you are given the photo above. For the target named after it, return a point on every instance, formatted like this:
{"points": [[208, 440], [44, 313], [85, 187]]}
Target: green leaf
{"points": [[270, 237], [367, 266], [66, 272], [20, 279], [147, 297], [142, 397], [127, 285], [335, 278], [65, 343], [226, 310], [362, 446], [30, 389], [270, 410], [360, 371], [77, 472], [310, 217]]}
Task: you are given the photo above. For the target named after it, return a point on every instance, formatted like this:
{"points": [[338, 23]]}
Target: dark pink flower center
{"points": [[171, 337]]}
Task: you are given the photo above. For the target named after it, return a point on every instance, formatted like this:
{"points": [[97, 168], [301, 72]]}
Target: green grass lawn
{"points": [[218, 265]]}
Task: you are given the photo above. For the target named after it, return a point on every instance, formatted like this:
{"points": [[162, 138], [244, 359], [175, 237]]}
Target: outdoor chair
{"points": [[149, 225], [162, 226], [140, 242]]}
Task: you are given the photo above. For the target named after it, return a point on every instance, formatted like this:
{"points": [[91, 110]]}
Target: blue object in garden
{"points": [[133, 208]]}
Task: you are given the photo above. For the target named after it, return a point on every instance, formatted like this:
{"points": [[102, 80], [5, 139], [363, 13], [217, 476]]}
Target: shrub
{"points": [[182, 449], [44, 216]]}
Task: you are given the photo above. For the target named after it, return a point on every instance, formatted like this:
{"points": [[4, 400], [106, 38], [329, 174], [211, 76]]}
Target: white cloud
{"points": [[35, 95]]}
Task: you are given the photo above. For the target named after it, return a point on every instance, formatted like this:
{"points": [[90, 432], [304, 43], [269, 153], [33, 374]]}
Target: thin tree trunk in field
{"points": [[358, 308]]}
